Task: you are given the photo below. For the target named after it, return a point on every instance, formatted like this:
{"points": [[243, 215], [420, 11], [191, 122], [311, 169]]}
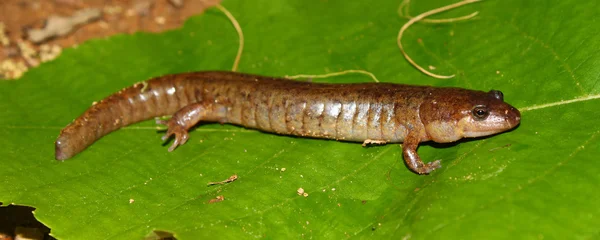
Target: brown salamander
{"points": [[362, 112]]}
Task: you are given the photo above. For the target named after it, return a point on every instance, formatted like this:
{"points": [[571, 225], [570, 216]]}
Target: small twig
{"points": [[230, 179], [238, 29], [405, 4], [447, 20], [418, 18], [334, 74]]}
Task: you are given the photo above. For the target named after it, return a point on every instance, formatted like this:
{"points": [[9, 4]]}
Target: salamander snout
{"points": [[488, 119]]}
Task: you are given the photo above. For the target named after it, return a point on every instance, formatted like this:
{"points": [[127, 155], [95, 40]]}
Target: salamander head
{"points": [[453, 114]]}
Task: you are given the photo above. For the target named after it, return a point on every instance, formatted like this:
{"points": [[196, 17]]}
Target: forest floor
{"points": [[36, 31]]}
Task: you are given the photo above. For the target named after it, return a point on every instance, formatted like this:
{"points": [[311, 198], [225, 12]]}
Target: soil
{"points": [[17, 17]]}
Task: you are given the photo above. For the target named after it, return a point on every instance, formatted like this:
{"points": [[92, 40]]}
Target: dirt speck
{"points": [[219, 198], [300, 191]]}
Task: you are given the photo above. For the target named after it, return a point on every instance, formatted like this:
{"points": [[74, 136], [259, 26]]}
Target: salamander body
{"points": [[363, 112]]}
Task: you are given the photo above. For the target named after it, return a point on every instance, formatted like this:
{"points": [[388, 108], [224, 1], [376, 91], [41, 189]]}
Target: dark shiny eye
{"points": [[497, 94], [480, 112]]}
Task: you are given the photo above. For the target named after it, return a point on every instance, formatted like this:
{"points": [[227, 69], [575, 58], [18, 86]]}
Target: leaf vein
{"points": [[563, 102]]}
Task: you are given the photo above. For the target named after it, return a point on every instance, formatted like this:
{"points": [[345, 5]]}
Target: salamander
{"points": [[358, 112]]}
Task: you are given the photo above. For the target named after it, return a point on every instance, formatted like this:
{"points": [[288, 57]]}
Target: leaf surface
{"points": [[537, 181]]}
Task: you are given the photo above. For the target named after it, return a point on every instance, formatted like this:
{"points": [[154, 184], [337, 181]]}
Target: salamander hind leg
{"points": [[188, 116], [412, 159]]}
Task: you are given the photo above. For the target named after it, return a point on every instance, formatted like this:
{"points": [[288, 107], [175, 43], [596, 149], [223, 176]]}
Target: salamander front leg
{"points": [[412, 159], [182, 121]]}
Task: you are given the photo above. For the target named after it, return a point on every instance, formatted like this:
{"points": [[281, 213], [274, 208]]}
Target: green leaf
{"points": [[537, 181]]}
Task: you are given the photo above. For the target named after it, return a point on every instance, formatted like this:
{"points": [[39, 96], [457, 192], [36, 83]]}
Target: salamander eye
{"points": [[497, 94], [480, 112]]}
